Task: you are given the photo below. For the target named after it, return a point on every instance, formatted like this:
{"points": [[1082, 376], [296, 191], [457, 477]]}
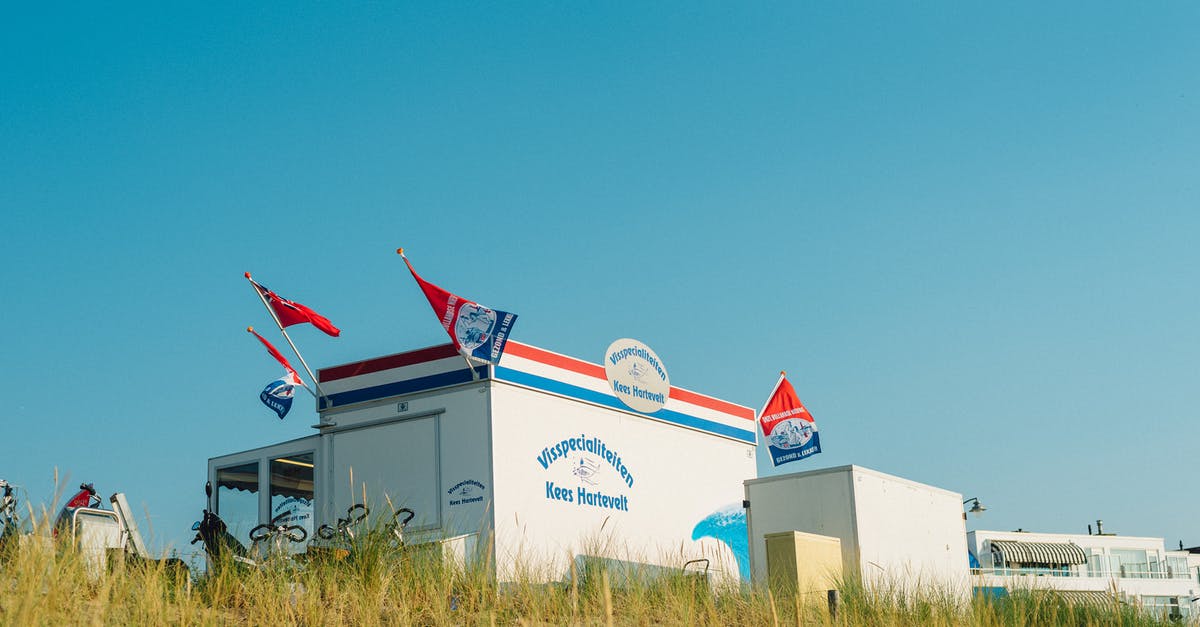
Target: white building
{"points": [[533, 462], [896, 534], [1138, 570]]}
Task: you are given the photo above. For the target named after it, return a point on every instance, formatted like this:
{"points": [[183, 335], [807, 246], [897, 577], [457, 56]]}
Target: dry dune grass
{"points": [[44, 584]]}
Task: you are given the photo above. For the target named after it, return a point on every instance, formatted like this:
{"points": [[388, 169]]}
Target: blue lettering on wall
{"points": [[588, 493], [595, 446]]}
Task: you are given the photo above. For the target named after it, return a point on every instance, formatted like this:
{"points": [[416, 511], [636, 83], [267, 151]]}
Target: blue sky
{"points": [[967, 231]]}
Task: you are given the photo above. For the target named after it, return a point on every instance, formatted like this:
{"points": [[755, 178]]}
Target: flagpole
{"points": [[758, 426], [318, 394], [279, 357], [470, 366]]}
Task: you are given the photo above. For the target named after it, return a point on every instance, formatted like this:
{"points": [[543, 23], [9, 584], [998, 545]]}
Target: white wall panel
{"points": [[895, 532], [675, 485], [822, 504], [911, 535], [395, 462]]}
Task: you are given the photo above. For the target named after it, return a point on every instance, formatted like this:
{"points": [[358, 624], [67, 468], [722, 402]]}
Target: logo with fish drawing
{"points": [[584, 471]]}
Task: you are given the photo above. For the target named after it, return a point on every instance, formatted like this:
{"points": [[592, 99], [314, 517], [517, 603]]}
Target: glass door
{"points": [[292, 494]]}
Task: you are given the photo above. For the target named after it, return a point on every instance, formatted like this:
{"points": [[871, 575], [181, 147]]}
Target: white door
{"points": [[394, 465]]}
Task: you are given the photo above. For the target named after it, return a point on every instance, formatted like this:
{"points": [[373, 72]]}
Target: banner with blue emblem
{"points": [[477, 331], [790, 431], [278, 395]]}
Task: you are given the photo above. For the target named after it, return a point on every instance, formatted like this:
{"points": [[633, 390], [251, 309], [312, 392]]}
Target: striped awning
{"points": [[1082, 597], [1040, 553]]}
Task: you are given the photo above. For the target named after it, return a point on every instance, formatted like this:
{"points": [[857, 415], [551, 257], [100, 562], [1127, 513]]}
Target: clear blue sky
{"points": [[968, 231]]}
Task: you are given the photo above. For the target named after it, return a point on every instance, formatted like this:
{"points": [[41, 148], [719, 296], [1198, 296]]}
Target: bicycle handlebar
{"points": [[352, 518], [255, 536], [295, 533], [408, 519], [354, 514]]}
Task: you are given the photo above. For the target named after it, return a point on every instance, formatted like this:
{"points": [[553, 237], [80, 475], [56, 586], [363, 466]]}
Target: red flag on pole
{"points": [[477, 331], [790, 431], [278, 394], [277, 355], [290, 312]]}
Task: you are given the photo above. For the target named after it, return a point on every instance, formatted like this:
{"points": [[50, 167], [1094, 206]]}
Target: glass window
{"points": [[237, 499], [1165, 606], [1096, 565], [997, 558], [292, 493], [1177, 567], [1133, 563]]}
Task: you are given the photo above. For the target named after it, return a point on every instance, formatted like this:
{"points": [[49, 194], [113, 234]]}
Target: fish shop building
{"points": [[537, 461]]}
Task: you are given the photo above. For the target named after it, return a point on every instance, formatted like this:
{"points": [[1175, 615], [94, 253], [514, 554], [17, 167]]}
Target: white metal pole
{"points": [[318, 394], [470, 365]]}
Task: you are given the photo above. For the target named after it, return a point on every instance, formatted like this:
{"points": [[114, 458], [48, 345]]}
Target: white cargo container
{"points": [[536, 462], [894, 532]]}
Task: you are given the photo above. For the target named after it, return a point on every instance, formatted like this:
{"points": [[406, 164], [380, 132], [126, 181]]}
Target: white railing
{"points": [[1123, 573]]}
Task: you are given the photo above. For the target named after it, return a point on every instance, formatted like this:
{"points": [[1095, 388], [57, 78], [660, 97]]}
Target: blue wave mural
{"points": [[728, 526]]}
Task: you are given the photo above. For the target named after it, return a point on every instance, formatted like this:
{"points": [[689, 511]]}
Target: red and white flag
{"points": [[290, 312], [477, 331], [278, 394], [291, 372], [790, 431]]}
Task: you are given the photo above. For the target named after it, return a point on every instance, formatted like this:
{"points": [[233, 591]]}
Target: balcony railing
{"points": [[1123, 573]]}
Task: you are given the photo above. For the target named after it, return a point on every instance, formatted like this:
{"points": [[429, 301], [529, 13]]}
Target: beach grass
{"points": [[47, 582]]}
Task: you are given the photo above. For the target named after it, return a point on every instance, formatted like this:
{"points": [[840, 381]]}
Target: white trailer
{"points": [[534, 462], [895, 533]]}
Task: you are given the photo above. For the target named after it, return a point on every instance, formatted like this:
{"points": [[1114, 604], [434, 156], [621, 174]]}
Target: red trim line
{"points": [[554, 359], [716, 404], [378, 364], [526, 351], [593, 370]]}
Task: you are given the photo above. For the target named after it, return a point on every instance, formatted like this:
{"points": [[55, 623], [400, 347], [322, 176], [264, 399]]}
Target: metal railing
{"points": [[1073, 571]]}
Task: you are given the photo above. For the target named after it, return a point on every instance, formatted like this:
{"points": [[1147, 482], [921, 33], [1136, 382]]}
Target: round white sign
{"points": [[636, 375]]}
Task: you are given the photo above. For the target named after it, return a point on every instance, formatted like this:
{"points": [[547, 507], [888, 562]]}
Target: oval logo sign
{"points": [[636, 375]]}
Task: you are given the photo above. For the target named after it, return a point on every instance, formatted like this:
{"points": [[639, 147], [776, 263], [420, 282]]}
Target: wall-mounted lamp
{"points": [[977, 508]]}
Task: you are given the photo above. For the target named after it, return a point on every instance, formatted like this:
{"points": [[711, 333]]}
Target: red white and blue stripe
{"points": [[526, 366]]}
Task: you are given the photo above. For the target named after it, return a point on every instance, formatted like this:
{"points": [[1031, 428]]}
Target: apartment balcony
{"points": [[1133, 586], [1082, 573]]}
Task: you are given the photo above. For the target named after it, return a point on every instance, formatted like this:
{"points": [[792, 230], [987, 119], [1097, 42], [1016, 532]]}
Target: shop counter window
{"points": [[292, 493], [237, 499]]}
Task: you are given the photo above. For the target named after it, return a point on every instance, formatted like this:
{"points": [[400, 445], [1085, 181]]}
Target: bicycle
{"points": [[337, 541], [354, 514], [342, 542], [223, 547], [396, 527], [357, 513], [273, 535]]}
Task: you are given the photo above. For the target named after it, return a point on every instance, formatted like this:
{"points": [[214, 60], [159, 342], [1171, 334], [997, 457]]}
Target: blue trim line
{"points": [[607, 400], [408, 386]]}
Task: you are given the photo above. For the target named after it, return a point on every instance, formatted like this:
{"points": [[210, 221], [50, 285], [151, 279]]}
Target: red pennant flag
{"points": [[278, 356], [477, 331], [291, 312]]}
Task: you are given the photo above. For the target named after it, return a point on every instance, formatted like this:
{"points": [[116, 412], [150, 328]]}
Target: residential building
{"points": [[1102, 567]]}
